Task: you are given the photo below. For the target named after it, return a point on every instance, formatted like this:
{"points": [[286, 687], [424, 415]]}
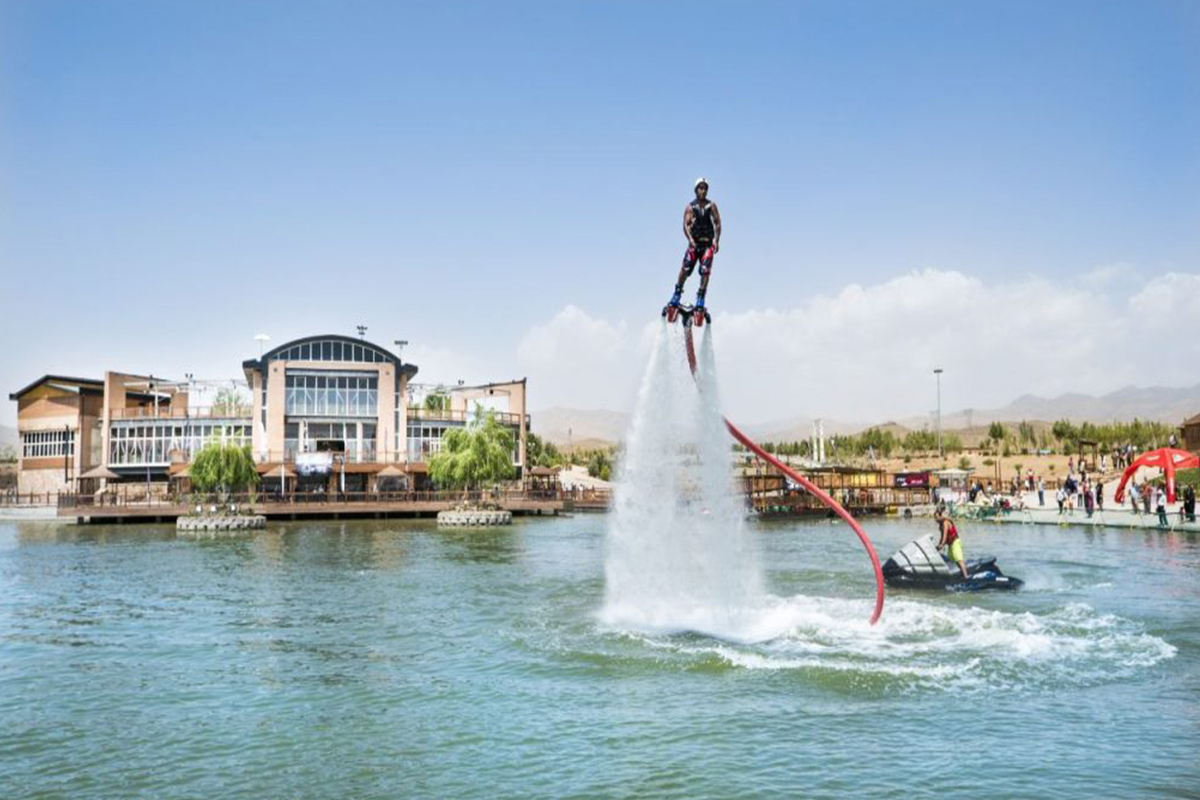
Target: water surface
{"points": [[387, 659]]}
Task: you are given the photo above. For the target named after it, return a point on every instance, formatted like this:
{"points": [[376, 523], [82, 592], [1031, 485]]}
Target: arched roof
{"points": [[330, 347]]}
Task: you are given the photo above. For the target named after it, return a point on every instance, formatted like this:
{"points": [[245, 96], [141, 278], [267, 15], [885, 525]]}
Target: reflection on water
{"points": [[388, 658]]}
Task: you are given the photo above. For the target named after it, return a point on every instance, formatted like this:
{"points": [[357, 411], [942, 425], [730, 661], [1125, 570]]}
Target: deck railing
{"points": [[424, 414], [232, 411], [27, 499], [267, 498]]}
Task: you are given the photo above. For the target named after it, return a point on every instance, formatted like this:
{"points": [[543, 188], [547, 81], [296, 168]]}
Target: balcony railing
{"points": [[424, 414], [183, 412], [369, 454]]}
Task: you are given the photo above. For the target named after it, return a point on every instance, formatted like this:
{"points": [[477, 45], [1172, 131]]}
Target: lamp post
{"points": [[938, 373], [262, 339], [362, 331], [400, 345]]}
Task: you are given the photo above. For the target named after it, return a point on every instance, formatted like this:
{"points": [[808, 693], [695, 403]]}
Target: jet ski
{"points": [[919, 565]]}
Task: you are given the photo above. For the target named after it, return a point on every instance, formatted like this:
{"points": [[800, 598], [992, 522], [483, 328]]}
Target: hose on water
{"points": [[808, 485]]}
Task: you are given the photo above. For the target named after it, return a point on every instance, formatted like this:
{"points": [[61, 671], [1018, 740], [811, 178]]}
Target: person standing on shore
{"points": [[702, 227], [1041, 491], [1134, 496], [1160, 505], [1189, 502], [1099, 495], [1147, 495], [1061, 497]]}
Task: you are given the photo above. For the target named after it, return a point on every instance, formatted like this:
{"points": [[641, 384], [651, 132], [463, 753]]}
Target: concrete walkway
{"points": [[1112, 518]]}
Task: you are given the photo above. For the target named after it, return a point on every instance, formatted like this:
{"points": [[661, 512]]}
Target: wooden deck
{"points": [[398, 504]]}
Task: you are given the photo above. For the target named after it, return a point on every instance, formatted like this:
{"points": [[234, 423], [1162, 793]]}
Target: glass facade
{"points": [[331, 350], [152, 442], [339, 437], [424, 439], [331, 394], [47, 444]]}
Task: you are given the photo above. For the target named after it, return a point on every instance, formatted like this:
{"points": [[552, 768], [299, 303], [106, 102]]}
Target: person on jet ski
{"points": [[950, 540], [702, 227]]}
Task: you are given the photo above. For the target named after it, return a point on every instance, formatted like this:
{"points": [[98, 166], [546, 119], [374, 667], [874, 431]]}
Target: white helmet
{"points": [[700, 181]]}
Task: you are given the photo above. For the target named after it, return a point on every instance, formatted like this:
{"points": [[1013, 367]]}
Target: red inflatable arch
{"points": [[1168, 459]]}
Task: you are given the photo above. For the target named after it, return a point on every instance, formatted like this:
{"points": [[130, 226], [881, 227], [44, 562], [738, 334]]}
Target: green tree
{"points": [[996, 433], [223, 468], [230, 403], [600, 465], [438, 400], [474, 456], [540, 453]]}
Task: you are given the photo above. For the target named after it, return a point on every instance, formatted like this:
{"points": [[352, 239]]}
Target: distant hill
{"points": [[576, 426], [1155, 403]]}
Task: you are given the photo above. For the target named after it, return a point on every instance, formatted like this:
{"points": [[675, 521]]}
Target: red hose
{"points": [[808, 485]]}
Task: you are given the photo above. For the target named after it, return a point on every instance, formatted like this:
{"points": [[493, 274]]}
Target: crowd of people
{"points": [[1084, 490]]}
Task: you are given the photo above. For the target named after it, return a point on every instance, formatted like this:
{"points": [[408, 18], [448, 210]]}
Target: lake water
{"points": [[388, 659]]}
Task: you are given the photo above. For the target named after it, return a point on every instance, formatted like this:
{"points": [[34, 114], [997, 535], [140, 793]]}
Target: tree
{"points": [[8, 454], [229, 403], [600, 465], [438, 400], [540, 453], [996, 433], [223, 468], [478, 454]]}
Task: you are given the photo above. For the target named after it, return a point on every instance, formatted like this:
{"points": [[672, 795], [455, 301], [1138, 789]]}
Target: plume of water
{"points": [[678, 555]]}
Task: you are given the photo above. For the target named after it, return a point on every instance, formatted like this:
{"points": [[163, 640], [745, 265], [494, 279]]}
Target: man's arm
{"points": [[687, 224], [716, 228]]}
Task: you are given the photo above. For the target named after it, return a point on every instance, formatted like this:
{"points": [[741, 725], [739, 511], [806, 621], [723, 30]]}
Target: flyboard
{"points": [[693, 317]]}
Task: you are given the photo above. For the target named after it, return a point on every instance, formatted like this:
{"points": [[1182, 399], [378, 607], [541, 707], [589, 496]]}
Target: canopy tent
{"points": [[100, 472], [1168, 459]]}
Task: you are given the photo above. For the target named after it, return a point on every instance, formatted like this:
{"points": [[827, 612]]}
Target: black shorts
{"points": [[702, 252]]}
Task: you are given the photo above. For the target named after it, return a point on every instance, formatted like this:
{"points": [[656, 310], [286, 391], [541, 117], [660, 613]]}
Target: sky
{"points": [[1008, 190]]}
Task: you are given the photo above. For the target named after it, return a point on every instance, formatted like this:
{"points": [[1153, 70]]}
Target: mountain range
{"points": [[1156, 403]]}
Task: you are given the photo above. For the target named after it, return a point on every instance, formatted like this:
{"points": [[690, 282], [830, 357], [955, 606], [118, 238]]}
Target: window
{"points": [[47, 444]]}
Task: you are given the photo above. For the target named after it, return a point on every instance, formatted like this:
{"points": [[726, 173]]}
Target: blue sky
{"points": [[176, 177]]}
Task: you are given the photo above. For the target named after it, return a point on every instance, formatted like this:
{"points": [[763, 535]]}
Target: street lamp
{"points": [[262, 339], [400, 345], [938, 373], [362, 331]]}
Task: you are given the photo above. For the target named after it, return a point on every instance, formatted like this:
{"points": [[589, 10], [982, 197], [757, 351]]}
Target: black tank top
{"points": [[702, 222]]}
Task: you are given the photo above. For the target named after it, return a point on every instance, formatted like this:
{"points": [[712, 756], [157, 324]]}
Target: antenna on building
{"points": [[362, 331], [262, 340]]}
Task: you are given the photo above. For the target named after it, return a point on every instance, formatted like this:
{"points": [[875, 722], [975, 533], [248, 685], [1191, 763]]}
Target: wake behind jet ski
{"points": [[919, 565]]}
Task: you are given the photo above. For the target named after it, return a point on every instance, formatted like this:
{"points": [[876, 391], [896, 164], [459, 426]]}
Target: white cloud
{"points": [[581, 361], [867, 353]]}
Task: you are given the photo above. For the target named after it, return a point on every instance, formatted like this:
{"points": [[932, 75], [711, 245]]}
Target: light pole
{"points": [[262, 339], [362, 331], [400, 345], [938, 373]]}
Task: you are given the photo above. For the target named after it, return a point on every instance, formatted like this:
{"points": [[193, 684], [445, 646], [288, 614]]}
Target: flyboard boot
{"points": [[672, 309], [700, 314]]}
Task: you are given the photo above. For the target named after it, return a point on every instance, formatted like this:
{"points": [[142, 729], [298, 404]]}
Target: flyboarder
{"points": [[702, 227]]}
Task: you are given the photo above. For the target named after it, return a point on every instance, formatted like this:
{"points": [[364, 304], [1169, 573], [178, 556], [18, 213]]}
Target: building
{"points": [[323, 413], [1189, 434]]}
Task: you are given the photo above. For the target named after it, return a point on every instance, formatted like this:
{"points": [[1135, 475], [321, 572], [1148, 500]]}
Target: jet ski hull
{"points": [[918, 565]]}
